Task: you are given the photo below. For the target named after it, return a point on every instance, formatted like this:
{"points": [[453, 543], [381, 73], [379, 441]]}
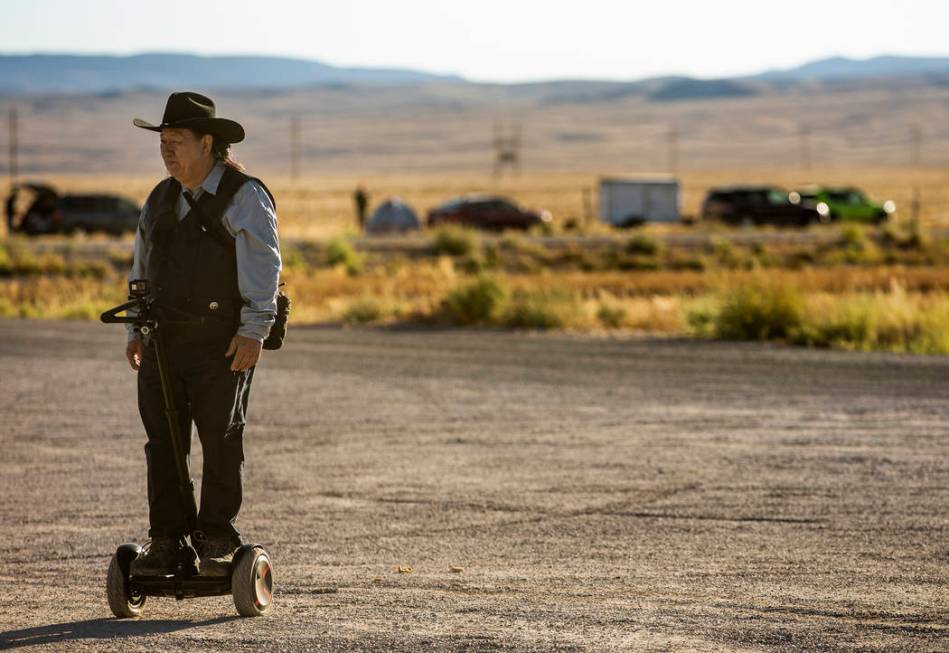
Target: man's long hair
{"points": [[222, 152]]}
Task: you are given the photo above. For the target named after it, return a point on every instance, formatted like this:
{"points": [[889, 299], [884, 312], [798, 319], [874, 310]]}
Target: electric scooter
{"points": [[250, 582]]}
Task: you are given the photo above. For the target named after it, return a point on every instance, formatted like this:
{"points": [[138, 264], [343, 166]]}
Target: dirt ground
{"points": [[595, 494]]}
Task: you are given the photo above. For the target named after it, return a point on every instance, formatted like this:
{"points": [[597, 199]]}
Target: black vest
{"points": [[193, 263]]}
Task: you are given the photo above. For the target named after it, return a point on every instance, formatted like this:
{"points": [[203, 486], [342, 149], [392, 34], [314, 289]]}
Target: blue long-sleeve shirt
{"points": [[252, 220]]}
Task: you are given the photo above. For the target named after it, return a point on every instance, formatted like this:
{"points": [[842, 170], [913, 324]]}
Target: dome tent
{"points": [[392, 216]]}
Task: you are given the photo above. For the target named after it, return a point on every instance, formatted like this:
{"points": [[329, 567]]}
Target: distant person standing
{"points": [[361, 198]]}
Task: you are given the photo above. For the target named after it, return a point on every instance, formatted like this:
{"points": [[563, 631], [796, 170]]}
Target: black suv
{"points": [[46, 212], [758, 205]]}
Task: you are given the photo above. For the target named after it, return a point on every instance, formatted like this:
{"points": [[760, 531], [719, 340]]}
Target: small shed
{"points": [[631, 201], [392, 216]]}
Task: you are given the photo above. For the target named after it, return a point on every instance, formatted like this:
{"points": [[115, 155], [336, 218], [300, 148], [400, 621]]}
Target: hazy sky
{"points": [[502, 40]]}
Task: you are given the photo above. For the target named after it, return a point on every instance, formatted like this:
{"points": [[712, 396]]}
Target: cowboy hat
{"points": [[194, 111]]}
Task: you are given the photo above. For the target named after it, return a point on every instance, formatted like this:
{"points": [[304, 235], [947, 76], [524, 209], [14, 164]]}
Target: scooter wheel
{"points": [[123, 602], [252, 583]]}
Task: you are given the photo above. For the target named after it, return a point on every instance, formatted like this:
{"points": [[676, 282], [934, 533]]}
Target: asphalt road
{"points": [[595, 495]]}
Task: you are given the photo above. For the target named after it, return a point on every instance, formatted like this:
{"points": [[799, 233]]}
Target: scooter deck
{"points": [[181, 587]]}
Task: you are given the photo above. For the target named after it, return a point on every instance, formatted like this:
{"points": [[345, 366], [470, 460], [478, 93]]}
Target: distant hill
{"points": [[67, 73], [840, 68], [92, 74], [701, 89]]}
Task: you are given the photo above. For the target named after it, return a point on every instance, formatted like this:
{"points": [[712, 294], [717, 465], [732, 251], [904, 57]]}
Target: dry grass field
{"points": [[449, 128]]}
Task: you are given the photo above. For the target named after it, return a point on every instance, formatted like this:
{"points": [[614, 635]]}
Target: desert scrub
{"points": [[611, 315], [890, 321], [761, 310], [362, 310], [341, 253], [644, 245], [730, 256], [854, 248], [550, 309], [59, 297], [456, 241], [477, 302]]}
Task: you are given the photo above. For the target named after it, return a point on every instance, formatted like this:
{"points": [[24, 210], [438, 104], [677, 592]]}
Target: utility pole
{"points": [[13, 147], [586, 194], [507, 148], [294, 147], [917, 152], [673, 150], [805, 134]]}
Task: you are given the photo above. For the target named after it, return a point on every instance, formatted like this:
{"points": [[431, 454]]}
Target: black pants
{"points": [[207, 393]]}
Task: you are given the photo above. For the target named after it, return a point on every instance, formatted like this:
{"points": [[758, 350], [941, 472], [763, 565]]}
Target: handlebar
{"points": [[111, 316], [138, 299]]}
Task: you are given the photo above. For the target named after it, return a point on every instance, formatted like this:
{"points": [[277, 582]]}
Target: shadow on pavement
{"points": [[98, 629]]}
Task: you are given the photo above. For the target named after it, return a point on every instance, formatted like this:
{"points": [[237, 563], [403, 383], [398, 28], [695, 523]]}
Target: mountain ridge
{"points": [[91, 73]]}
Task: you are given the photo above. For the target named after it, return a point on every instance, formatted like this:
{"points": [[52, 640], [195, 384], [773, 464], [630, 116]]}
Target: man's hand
{"points": [[246, 352], [134, 352]]}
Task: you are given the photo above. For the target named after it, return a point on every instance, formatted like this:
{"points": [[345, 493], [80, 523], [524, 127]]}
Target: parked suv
{"points": [[38, 209], [486, 212], [849, 204], [759, 205]]}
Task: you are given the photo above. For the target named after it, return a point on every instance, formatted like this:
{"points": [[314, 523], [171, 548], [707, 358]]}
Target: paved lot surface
{"points": [[597, 495]]}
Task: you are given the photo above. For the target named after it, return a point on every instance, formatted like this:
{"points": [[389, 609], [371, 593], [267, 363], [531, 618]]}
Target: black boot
{"points": [[160, 557], [217, 556]]}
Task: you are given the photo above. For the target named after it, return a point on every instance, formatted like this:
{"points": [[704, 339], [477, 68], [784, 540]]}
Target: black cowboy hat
{"points": [[194, 111]]}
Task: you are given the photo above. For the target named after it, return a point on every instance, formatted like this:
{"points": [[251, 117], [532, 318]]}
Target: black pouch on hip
{"points": [[278, 331]]}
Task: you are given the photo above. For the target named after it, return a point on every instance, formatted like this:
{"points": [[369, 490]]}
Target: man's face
{"points": [[184, 152]]}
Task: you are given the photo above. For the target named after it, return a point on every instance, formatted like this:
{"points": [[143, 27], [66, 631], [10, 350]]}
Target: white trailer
{"points": [[627, 202]]}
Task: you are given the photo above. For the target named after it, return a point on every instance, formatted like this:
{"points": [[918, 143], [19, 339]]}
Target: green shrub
{"points": [[888, 322], [477, 302], [612, 317], [730, 256], [908, 236], [644, 245], [701, 321], [90, 269], [456, 241], [761, 311], [7, 309], [6, 263], [543, 310], [639, 262], [471, 264], [340, 251], [693, 263], [293, 259], [81, 311], [853, 238], [858, 248], [362, 311]]}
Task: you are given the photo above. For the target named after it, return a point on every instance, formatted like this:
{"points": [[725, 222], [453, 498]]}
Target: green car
{"points": [[849, 204]]}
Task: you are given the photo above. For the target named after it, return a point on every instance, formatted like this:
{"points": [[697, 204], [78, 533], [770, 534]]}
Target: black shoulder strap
{"points": [[209, 209]]}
